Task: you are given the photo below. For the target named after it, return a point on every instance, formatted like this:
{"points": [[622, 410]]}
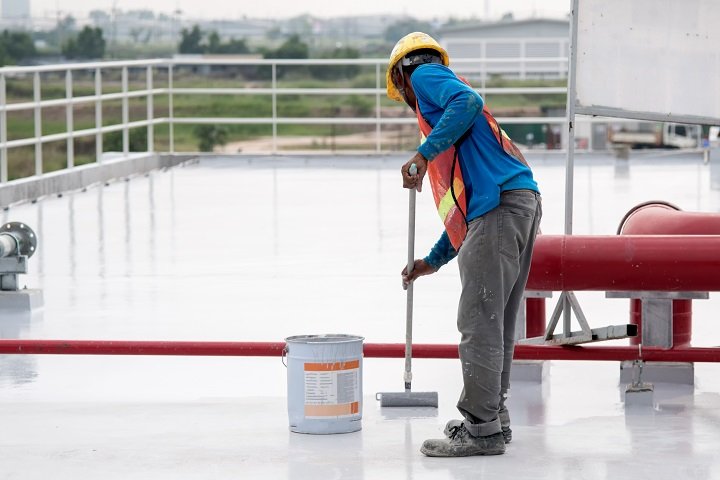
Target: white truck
{"points": [[654, 135]]}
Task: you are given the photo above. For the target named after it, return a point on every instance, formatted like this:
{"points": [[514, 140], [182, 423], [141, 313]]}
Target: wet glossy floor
{"points": [[258, 249]]}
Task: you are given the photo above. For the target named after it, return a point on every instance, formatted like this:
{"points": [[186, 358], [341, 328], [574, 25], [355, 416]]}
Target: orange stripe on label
{"points": [[332, 410], [329, 367]]}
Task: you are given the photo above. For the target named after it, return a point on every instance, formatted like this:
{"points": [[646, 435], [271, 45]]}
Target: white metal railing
{"points": [[169, 67]]}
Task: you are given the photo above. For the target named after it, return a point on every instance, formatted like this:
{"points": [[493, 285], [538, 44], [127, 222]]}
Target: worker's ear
{"points": [[398, 78]]}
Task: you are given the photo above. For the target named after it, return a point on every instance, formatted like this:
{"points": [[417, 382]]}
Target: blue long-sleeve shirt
{"points": [[451, 108]]}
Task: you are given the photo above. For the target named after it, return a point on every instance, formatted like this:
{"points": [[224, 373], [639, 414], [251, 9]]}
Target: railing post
{"points": [[98, 116], [171, 125], [37, 97], [274, 108], [69, 119], [3, 131], [150, 112], [378, 143], [125, 112]]}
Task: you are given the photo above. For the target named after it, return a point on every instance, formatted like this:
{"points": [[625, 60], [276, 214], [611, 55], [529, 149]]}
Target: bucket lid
{"points": [[325, 338]]}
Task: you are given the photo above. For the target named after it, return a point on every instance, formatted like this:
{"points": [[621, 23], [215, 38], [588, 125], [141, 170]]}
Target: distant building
{"points": [[523, 39], [15, 9]]}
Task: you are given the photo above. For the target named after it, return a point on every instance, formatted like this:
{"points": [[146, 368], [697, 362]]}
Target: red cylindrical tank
{"points": [[663, 218]]}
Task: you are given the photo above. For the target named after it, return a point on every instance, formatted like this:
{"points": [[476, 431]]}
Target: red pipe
{"points": [[131, 347], [627, 262], [370, 350], [662, 218]]}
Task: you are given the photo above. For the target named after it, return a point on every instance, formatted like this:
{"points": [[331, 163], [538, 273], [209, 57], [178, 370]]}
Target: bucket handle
{"points": [[284, 355]]}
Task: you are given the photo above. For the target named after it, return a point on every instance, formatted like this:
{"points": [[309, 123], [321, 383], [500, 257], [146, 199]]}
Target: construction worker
{"points": [[490, 206]]}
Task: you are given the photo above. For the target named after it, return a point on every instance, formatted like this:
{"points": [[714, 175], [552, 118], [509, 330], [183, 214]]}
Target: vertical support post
{"points": [[570, 161], [125, 112], [69, 119], [535, 317], [150, 111], [171, 112], [571, 94], [657, 322], [3, 131], [37, 97], [378, 115], [274, 108], [98, 116], [523, 61]]}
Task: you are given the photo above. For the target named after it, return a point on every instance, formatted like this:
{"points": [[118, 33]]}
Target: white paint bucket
{"points": [[324, 383]]}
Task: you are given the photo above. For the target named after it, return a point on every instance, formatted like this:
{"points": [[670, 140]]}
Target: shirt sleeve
{"points": [[441, 253], [460, 104]]}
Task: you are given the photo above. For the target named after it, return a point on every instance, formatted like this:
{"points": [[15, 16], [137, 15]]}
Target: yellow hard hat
{"points": [[410, 42]]}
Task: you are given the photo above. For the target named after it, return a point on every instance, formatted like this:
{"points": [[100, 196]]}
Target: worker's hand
{"points": [[420, 268], [414, 181]]}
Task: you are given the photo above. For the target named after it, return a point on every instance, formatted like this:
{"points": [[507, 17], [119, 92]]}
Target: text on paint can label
{"points": [[332, 389]]}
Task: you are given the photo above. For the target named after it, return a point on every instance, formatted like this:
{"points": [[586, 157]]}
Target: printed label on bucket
{"points": [[332, 389]]}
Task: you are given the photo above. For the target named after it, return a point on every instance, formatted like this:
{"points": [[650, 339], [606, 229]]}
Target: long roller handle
{"points": [[410, 265]]}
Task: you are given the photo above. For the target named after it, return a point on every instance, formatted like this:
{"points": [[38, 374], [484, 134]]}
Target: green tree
{"points": [[137, 141], [16, 47], [88, 44], [191, 41], [4, 58], [235, 46], [213, 42], [293, 47], [209, 136], [325, 72]]}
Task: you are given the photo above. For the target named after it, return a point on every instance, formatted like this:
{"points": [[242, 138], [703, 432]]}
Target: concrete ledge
{"points": [[529, 370], [32, 188], [659, 372], [639, 396], [21, 301]]}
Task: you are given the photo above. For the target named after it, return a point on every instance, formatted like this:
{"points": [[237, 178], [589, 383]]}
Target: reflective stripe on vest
{"points": [[449, 198]]}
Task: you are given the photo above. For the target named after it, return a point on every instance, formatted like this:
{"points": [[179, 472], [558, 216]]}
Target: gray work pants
{"points": [[494, 262]]}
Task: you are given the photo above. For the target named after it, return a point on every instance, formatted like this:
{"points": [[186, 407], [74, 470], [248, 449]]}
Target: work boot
{"points": [[506, 431], [460, 443]]}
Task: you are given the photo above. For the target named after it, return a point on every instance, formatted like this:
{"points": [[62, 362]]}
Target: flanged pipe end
{"points": [[25, 236]]}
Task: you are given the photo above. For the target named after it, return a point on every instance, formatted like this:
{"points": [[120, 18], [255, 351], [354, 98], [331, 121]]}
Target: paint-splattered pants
{"points": [[494, 263]]}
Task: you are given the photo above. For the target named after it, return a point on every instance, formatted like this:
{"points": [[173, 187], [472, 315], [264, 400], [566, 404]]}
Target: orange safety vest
{"points": [[450, 197]]}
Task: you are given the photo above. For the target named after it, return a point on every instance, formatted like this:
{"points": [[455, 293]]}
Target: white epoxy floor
{"points": [[258, 249]]}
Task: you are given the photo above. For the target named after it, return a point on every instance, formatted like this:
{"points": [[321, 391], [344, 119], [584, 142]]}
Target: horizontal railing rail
{"points": [[160, 76]]}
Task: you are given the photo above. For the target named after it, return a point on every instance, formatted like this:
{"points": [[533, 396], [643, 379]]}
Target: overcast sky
{"points": [[427, 9]]}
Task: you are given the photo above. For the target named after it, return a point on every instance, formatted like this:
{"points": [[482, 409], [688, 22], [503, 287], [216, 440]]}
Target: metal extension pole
{"points": [[409, 304]]}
